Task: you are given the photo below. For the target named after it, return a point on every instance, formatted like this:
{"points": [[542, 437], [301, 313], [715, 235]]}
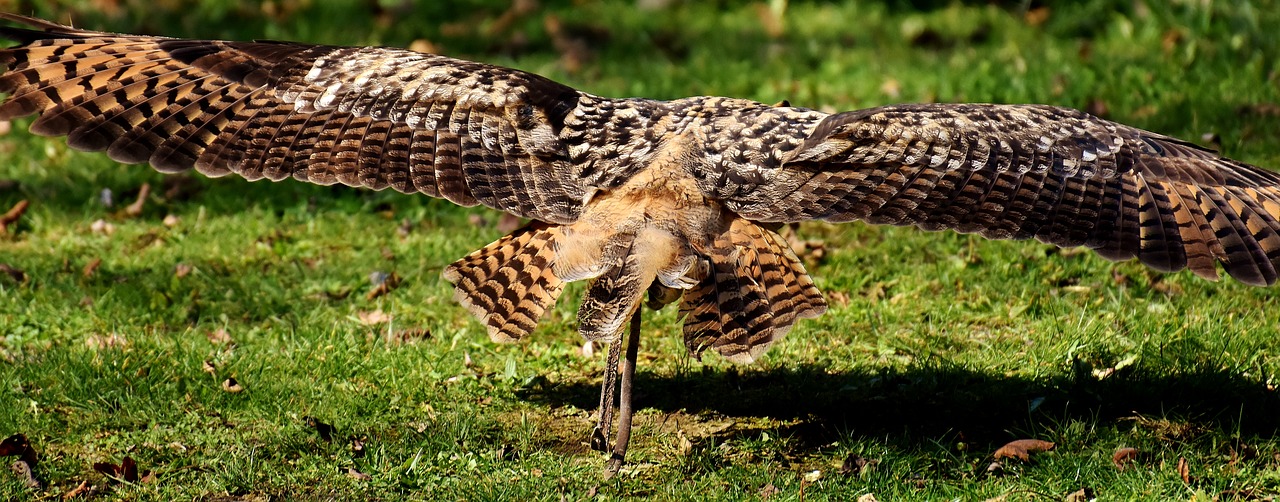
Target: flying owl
{"points": [[680, 199]]}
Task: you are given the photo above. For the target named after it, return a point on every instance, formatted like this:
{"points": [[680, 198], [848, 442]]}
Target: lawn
{"points": [[229, 337]]}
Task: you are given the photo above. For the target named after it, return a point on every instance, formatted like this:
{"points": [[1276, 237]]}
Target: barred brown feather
{"points": [[1017, 172], [633, 193], [509, 284]]}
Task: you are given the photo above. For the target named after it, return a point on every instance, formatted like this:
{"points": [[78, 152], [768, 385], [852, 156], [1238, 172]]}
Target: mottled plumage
{"points": [[672, 197]]}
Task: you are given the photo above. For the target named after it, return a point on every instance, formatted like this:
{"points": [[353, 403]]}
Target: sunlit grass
{"points": [[938, 348]]}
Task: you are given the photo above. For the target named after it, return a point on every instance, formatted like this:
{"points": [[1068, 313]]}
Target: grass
{"points": [[939, 347]]}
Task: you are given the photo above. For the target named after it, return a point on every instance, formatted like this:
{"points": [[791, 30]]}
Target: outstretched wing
{"points": [[372, 117], [1021, 171]]}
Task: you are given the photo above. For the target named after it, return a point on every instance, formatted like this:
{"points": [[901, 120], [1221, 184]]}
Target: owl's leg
{"points": [[600, 436], [608, 389], [625, 410]]}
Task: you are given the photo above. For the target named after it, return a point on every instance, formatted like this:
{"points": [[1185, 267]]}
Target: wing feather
{"points": [[372, 117], [1022, 171]]}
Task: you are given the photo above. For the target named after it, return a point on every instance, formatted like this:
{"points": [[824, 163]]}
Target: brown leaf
{"points": [[232, 386], [1022, 449], [768, 490], [135, 208], [219, 337], [127, 470], [102, 227], [82, 489], [508, 223], [91, 267], [410, 335], [100, 342], [182, 270], [17, 275], [1184, 470], [209, 368], [1036, 16], [406, 226], [18, 446], [170, 221], [423, 45], [371, 317], [1097, 107], [357, 448], [357, 475], [1124, 456], [382, 284], [324, 430], [771, 19], [11, 216], [1082, 495], [854, 465]]}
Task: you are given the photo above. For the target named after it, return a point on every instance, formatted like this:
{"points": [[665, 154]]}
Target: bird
{"points": [[679, 200]]}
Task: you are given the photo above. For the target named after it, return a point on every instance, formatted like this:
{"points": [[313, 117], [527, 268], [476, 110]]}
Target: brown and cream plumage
{"points": [[677, 198]]}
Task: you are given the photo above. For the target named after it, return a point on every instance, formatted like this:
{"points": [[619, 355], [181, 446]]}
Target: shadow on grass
{"points": [[922, 405]]}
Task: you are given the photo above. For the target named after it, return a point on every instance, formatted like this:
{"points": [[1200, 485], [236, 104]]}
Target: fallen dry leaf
{"points": [[371, 317], [91, 267], [357, 475], [102, 227], [232, 386], [357, 448], [1022, 449], [170, 221], [219, 337], [82, 489], [854, 465], [383, 283], [410, 335], [111, 341], [1036, 16], [18, 446], [508, 223], [1082, 495], [1123, 457], [771, 18], [182, 270], [324, 430], [768, 490], [135, 208], [209, 368], [1184, 470], [423, 45], [16, 274], [127, 470], [868, 497], [685, 445], [891, 88], [11, 216]]}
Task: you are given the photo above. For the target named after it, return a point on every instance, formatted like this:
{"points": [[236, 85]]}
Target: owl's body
{"points": [[676, 198]]}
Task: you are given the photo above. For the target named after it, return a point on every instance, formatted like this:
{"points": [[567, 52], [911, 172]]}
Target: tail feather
{"points": [[509, 284], [755, 291]]}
